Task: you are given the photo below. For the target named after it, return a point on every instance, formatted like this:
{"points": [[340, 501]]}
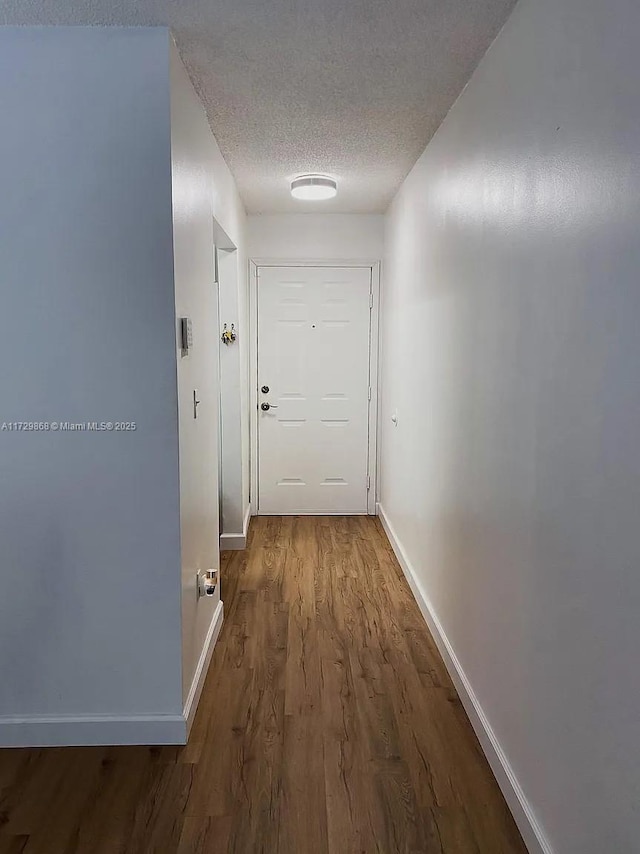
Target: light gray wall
{"points": [[89, 522], [511, 353]]}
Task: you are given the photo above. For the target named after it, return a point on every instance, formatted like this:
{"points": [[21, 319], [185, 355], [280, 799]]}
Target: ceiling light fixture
{"points": [[313, 187]]}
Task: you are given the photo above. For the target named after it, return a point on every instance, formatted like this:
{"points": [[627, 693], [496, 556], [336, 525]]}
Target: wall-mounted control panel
{"points": [[186, 335]]}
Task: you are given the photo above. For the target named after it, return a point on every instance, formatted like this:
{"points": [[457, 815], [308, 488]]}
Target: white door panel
{"points": [[313, 354]]}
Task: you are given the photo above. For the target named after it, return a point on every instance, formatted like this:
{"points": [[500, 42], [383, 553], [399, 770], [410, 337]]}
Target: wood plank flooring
{"points": [[328, 723]]}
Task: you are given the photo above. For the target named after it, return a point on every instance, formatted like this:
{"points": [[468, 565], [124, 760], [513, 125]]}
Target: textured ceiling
{"points": [[353, 88]]}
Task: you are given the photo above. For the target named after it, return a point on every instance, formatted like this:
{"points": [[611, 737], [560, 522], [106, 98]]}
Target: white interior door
{"points": [[314, 327]]}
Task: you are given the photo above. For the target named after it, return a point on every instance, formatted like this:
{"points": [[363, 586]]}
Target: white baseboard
{"points": [[236, 542], [197, 684], [317, 513], [89, 730], [521, 810], [232, 542]]}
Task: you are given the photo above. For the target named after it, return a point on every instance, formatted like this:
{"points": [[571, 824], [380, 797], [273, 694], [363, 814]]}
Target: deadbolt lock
{"points": [[265, 389]]}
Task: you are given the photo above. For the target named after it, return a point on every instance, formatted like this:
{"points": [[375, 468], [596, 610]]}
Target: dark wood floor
{"points": [[328, 723]]}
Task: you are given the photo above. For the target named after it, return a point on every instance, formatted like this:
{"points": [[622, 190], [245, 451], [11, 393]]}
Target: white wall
{"points": [[90, 541], [511, 353], [202, 189], [230, 214], [234, 500], [315, 237], [215, 186]]}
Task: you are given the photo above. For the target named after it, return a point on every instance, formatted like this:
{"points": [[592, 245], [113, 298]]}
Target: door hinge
{"points": [[369, 396], [371, 300], [368, 483]]}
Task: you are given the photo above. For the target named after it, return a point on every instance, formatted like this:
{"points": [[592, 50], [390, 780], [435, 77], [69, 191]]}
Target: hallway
{"points": [[327, 724]]}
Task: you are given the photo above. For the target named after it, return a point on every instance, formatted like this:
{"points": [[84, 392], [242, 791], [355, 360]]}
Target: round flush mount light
{"points": [[313, 187]]}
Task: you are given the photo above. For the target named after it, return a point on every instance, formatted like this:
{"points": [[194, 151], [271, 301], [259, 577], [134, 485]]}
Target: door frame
{"points": [[374, 360]]}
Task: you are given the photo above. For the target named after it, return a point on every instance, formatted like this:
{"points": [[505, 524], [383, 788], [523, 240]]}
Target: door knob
{"points": [[265, 407]]}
